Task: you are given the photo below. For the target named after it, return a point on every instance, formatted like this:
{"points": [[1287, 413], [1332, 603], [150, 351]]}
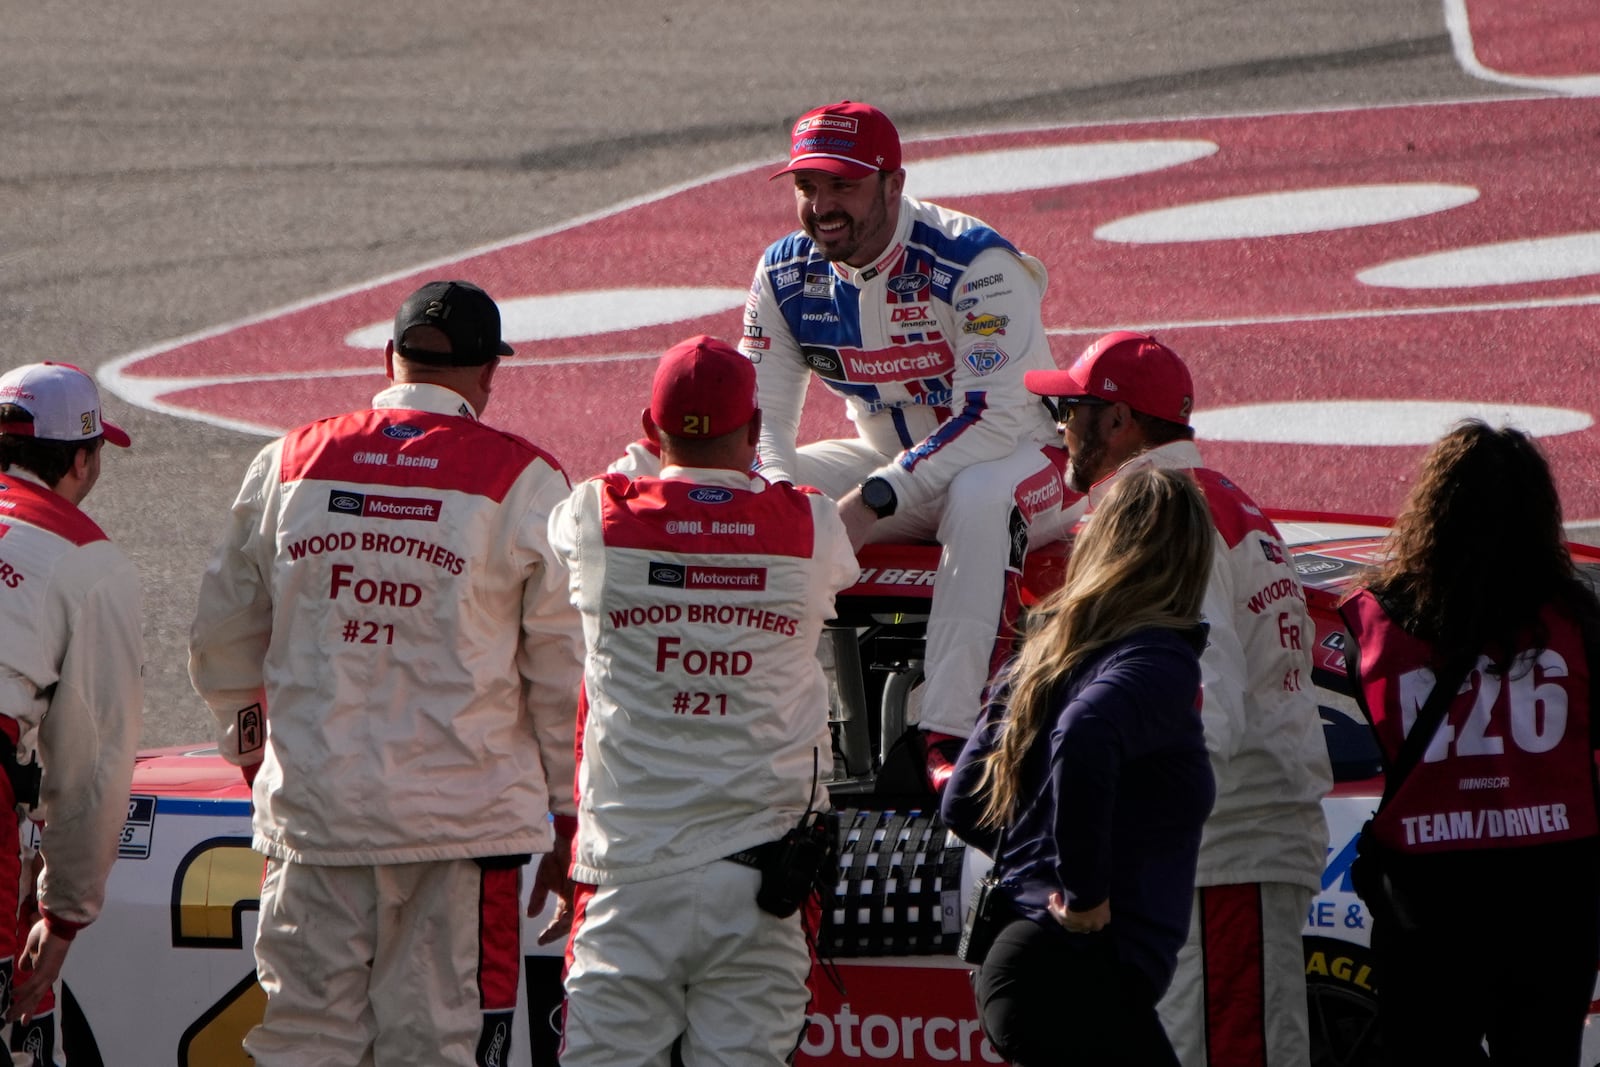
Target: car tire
{"points": [[1342, 1004]]}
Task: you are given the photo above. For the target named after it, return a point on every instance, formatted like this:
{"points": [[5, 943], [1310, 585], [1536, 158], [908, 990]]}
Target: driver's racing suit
{"points": [[927, 346]]}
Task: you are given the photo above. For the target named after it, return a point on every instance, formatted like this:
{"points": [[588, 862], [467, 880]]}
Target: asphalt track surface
{"points": [[168, 168]]}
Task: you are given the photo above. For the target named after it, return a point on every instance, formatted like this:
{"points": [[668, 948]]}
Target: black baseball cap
{"points": [[463, 313]]}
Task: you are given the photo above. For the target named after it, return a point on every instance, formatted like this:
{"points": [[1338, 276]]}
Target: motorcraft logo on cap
{"points": [[847, 139], [844, 123]]}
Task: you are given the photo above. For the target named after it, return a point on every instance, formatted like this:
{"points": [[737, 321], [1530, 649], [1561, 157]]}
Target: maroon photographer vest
{"points": [[1512, 763]]}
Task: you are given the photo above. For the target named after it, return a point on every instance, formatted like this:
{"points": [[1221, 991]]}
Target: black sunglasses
{"points": [[1059, 405]]}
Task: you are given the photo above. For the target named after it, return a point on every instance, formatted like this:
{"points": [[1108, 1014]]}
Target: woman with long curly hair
{"points": [[1088, 782], [1490, 926]]}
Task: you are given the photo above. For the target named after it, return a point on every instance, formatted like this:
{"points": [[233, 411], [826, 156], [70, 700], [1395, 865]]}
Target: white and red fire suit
{"points": [[703, 594], [72, 692], [1238, 997], [382, 632], [927, 346]]}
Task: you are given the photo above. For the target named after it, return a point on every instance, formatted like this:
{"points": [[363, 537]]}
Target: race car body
{"points": [[167, 974]]}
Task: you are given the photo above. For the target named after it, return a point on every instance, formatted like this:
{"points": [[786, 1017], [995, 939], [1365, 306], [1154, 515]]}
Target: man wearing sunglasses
{"points": [[1239, 995]]}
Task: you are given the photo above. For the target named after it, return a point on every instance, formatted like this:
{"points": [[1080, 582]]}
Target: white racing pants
{"points": [[976, 524], [689, 954], [1238, 998], [403, 965]]}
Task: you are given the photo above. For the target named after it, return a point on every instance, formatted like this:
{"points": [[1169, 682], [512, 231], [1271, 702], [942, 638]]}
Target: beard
{"points": [[846, 245], [1085, 464]]}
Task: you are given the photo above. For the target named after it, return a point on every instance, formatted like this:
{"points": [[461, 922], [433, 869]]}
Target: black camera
{"points": [[804, 859], [25, 777]]}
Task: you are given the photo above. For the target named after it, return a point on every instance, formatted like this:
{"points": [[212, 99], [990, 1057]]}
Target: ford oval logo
{"points": [[823, 362], [665, 574], [401, 432], [346, 502], [710, 495], [907, 283]]}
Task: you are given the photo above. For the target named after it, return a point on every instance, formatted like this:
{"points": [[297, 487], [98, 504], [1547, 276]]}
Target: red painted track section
{"points": [[1261, 320], [1536, 38]]}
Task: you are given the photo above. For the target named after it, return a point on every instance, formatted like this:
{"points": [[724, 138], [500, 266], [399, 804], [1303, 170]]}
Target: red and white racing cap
{"points": [[64, 403]]}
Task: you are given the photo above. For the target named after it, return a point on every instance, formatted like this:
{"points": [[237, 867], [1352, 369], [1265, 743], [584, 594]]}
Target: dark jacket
{"points": [[1113, 795]]}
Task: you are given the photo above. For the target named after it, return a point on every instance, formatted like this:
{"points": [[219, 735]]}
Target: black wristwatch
{"points": [[878, 494]]}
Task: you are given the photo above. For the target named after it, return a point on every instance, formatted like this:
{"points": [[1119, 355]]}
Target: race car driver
{"points": [[71, 663], [923, 321], [1239, 996], [703, 594], [392, 659]]}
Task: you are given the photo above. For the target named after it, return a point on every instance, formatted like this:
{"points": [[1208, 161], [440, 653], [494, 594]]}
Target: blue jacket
{"points": [[1114, 793]]}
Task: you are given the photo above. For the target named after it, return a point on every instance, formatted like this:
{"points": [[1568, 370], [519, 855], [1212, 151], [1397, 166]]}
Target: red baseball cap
{"points": [[1133, 368], [847, 139], [703, 388]]}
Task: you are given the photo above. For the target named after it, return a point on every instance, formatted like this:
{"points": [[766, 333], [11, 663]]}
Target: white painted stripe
{"points": [[1285, 212], [1537, 259], [1016, 170]]}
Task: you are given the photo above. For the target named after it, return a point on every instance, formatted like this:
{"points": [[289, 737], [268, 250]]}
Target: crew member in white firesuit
{"points": [[1239, 996], [924, 321], [71, 675], [703, 594], [392, 659]]}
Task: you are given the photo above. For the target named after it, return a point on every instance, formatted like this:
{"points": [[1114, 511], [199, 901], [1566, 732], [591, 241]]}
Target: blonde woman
{"points": [[1088, 782]]}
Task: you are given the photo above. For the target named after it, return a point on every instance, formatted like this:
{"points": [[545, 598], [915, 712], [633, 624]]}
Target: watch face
{"points": [[877, 494]]}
